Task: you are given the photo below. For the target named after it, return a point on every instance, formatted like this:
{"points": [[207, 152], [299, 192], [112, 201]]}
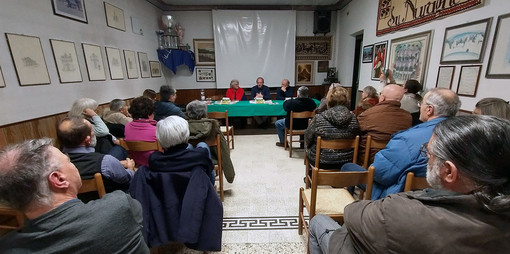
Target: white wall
{"points": [[361, 16], [36, 18]]}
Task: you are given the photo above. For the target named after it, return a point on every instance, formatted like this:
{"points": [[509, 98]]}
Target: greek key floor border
{"points": [[261, 223]]}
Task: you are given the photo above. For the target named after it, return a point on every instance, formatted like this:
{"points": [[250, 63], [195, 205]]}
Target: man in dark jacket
{"points": [[166, 107]]}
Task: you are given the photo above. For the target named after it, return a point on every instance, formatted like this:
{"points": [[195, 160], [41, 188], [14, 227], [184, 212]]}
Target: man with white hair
{"points": [[118, 113]]}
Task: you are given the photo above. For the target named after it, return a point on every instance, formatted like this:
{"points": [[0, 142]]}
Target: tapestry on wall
{"points": [[313, 48], [394, 15]]}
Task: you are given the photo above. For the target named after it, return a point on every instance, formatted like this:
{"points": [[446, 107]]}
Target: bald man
{"points": [[285, 91]]}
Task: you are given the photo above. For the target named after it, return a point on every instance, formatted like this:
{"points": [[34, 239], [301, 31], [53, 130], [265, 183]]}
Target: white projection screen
{"points": [[249, 44]]}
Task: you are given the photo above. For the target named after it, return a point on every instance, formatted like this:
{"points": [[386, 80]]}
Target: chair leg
{"points": [[232, 132], [301, 217], [228, 138], [285, 144], [290, 145]]}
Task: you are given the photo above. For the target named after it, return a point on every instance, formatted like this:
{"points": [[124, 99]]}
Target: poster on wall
{"points": [[409, 57], [28, 58], [379, 59]]}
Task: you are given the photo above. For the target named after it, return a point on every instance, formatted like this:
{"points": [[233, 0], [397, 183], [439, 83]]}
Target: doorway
{"points": [[355, 71]]}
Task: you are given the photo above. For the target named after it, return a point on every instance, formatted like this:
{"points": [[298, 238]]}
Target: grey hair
{"points": [[234, 81], [494, 107], [303, 92], [445, 101], [81, 104], [117, 104], [370, 90], [196, 110], [172, 131], [24, 171]]}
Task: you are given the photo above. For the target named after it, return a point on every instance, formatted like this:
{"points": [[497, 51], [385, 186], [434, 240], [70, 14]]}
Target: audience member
{"points": [[118, 113], [337, 122], [86, 108], [493, 107], [368, 99], [142, 128], [235, 93], [151, 94], [402, 153], [324, 104], [411, 99], [260, 90], [40, 181], [202, 129], [285, 91], [299, 104], [166, 107], [468, 208]]}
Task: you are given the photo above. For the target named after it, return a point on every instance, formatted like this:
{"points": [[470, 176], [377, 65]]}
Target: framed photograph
{"points": [[70, 9], [206, 74], [313, 48], [468, 80], [499, 61], [28, 58], [131, 64], [94, 62], [409, 57], [2, 80], [304, 72], [155, 68], [144, 65], [114, 63], [379, 59], [445, 76], [465, 43], [66, 59], [114, 17], [204, 51], [368, 53], [322, 66]]}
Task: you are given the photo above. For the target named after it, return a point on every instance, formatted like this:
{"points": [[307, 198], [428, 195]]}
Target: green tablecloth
{"points": [[245, 108]]}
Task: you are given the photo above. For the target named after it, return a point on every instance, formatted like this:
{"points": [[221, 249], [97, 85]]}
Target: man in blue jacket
{"points": [[402, 154]]}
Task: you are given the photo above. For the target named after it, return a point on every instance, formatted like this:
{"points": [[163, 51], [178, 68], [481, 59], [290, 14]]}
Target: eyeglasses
{"points": [[424, 150]]}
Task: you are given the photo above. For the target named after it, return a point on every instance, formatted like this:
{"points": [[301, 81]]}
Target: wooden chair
{"points": [[218, 168], [290, 132], [415, 183], [140, 146], [10, 219], [370, 145], [227, 130], [94, 184]]}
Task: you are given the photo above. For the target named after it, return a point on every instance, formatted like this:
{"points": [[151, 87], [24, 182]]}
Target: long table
{"points": [[245, 108]]}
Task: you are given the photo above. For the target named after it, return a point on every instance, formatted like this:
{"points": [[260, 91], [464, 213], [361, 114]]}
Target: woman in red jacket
{"points": [[235, 93]]}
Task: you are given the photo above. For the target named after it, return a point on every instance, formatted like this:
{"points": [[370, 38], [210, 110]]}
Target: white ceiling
{"points": [[250, 2]]}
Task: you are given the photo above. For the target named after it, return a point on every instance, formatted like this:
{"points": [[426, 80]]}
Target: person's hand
{"points": [[128, 163], [116, 141], [382, 77], [88, 112], [259, 95], [284, 89], [125, 112]]}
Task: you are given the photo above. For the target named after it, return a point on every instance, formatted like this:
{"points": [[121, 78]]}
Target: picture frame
{"points": [[380, 53], [94, 62], [409, 57], [499, 66], [145, 71], [2, 80], [304, 72], [205, 74], [313, 48], [131, 64], [28, 58], [465, 43], [74, 10], [322, 66], [66, 60], [468, 80], [155, 68], [114, 63], [114, 17], [445, 77], [368, 53], [204, 52]]}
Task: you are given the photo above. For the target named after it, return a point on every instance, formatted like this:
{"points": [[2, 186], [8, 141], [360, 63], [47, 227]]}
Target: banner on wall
{"points": [[394, 15]]}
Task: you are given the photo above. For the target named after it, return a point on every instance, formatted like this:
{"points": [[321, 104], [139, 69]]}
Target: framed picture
{"points": [[313, 48], [368, 53], [2, 80], [379, 59], [114, 63], [206, 74], [465, 43], [204, 51], [131, 64], [66, 59], [155, 68], [304, 72], [409, 57], [94, 62], [499, 64], [445, 76], [28, 58], [322, 66], [70, 9], [144, 65], [114, 17], [468, 80]]}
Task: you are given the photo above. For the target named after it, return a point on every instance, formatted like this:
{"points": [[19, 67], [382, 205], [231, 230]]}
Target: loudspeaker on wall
{"points": [[321, 22]]}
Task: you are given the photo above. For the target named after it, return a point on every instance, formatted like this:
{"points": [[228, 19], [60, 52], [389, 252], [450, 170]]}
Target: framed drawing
{"points": [[131, 65], [368, 52], [70, 9], [304, 72], [445, 76], [114, 63], [206, 74], [28, 58], [465, 43], [2, 80], [379, 59], [144, 65], [313, 48], [322, 66], [114, 17], [94, 62], [409, 57], [155, 68], [204, 51], [468, 80], [499, 61], [66, 59]]}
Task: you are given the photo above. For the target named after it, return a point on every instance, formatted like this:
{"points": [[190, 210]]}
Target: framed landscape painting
{"points": [[409, 57], [204, 51], [465, 43], [66, 59]]}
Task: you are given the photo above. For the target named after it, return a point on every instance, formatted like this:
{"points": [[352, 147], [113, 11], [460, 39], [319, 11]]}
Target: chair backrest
{"points": [[94, 184], [219, 115], [140, 146], [371, 144], [212, 142], [337, 144], [10, 219], [415, 183], [300, 115]]}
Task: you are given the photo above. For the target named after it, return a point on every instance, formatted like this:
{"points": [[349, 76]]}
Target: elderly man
{"points": [[40, 181], [402, 153], [118, 113], [285, 91], [299, 104], [466, 212], [166, 107], [260, 90]]}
